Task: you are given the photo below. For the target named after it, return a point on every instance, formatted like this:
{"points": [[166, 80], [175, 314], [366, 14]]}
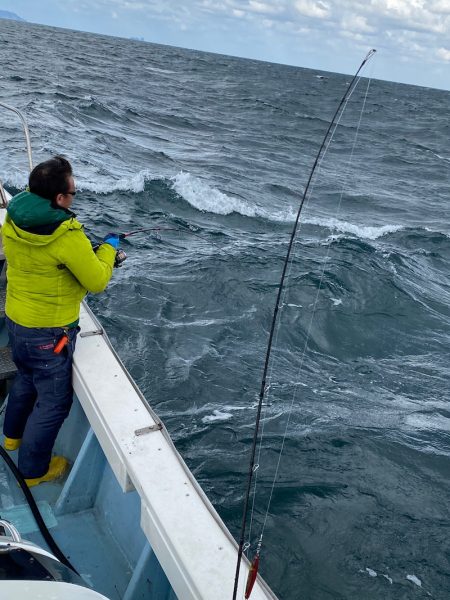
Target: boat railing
{"points": [[3, 200], [7, 529]]}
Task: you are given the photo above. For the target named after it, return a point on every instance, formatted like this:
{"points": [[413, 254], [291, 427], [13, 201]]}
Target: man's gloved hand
{"points": [[112, 239]]}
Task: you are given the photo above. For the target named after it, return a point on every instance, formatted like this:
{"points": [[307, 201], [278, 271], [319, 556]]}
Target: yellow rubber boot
{"points": [[11, 443], [58, 466]]}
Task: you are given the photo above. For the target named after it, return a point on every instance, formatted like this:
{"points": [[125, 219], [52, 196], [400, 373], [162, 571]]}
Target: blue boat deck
{"points": [[94, 523]]}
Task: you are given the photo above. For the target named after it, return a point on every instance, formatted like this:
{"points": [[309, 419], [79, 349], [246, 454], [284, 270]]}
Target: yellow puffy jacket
{"points": [[49, 275]]}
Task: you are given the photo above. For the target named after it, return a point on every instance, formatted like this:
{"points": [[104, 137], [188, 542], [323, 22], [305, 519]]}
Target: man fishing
{"points": [[50, 267]]}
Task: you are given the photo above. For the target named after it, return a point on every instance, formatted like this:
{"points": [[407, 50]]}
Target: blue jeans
{"points": [[41, 393]]}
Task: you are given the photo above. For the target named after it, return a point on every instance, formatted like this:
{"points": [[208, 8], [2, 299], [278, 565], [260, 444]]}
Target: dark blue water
{"points": [[221, 148]]}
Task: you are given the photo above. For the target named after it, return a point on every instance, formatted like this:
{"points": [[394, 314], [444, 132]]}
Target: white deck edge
{"points": [[195, 549]]}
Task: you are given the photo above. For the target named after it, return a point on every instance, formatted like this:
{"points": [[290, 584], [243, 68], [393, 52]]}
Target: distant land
{"points": [[5, 14]]}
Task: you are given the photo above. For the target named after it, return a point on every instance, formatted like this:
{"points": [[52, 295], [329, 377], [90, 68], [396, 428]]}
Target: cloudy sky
{"points": [[412, 36]]}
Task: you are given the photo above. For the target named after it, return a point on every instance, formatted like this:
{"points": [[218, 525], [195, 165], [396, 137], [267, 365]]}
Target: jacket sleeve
{"points": [[92, 269]]}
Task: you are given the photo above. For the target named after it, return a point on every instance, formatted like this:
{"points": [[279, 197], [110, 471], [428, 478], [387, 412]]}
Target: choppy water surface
{"points": [[222, 147]]}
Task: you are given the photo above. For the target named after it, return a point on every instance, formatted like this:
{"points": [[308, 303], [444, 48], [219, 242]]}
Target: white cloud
{"points": [[409, 14], [357, 37], [440, 6], [444, 54], [356, 23], [311, 8], [127, 5], [263, 7]]}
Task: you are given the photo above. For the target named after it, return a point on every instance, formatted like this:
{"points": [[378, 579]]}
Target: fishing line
{"points": [[324, 262], [254, 567], [313, 315], [255, 563], [282, 305]]}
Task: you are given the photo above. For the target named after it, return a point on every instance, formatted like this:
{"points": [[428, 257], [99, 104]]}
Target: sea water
{"points": [[216, 151]]}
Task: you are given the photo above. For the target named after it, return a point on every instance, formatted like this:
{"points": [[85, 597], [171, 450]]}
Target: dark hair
{"points": [[50, 178]]}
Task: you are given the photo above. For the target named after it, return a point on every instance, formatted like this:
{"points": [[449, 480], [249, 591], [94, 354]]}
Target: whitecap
{"points": [[445, 158], [14, 179], [204, 197], [156, 70], [414, 579], [133, 183], [369, 232], [217, 416]]}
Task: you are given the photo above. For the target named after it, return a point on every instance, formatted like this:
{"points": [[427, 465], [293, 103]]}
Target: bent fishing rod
{"points": [[121, 256], [253, 571], [122, 236]]}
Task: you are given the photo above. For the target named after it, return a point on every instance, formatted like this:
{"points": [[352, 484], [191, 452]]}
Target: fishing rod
{"points": [[122, 236], [147, 229], [253, 571], [121, 255]]}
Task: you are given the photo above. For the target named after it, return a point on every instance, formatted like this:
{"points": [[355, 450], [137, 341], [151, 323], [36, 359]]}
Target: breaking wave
{"points": [[206, 198]]}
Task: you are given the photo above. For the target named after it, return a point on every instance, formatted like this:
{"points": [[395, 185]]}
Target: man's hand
{"points": [[112, 239]]}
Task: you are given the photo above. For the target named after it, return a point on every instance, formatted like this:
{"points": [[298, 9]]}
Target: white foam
{"points": [[97, 184], [156, 70], [217, 416], [206, 198], [414, 579], [103, 185], [373, 573], [15, 179], [447, 159], [336, 301], [362, 231]]}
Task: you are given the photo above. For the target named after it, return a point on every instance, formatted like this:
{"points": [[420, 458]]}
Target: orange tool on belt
{"points": [[63, 341]]}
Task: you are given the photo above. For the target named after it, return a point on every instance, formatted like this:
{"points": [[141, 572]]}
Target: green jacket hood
{"points": [[29, 210], [12, 231]]}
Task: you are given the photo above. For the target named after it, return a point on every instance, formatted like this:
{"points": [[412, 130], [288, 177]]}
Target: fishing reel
{"points": [[121, 256]]}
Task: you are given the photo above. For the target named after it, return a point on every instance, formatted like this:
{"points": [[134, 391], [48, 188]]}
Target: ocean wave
{"points": [[15, 179], [202, 196], [445, 158], [103, 185], [206, 198], [368, 232], [156, 70], [217, 416]]}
